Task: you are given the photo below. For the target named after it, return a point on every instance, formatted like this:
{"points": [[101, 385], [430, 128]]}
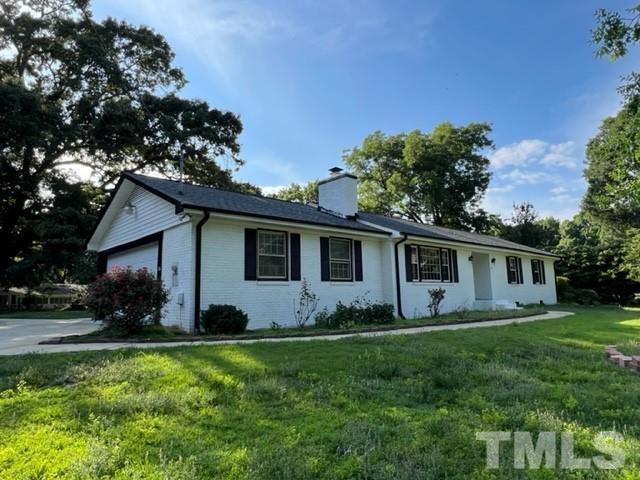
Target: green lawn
{"points": [[48, 314], [389, 407]]}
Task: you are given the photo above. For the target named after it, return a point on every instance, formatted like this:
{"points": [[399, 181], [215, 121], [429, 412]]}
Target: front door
{"points": [[482, 276]]}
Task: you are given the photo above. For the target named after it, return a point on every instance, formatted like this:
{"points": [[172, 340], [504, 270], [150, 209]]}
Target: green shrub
{"points": [[127, 300], [358, 312], [223, 319], [566, 293], [586, 296], [436, 296]]}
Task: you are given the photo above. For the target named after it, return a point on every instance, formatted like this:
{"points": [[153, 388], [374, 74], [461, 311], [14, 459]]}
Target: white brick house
{"points": [[210, 246]]}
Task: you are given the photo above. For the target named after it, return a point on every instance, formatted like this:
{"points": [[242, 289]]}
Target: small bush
{"points": [[436, 296], [566, 292], [223, 319], [358, 312], [586, 296], [127, 300], [305, 304]]}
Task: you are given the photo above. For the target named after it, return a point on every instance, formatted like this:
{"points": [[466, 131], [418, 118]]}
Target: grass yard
{"points": [[48, 314], [390, 407]]}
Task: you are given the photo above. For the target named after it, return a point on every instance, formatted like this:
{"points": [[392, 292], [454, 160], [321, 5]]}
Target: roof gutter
{"points": [[398, 287], [198, 279]]}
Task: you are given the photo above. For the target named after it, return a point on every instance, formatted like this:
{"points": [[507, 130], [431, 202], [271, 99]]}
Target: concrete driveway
{"points": [[22, 335]]}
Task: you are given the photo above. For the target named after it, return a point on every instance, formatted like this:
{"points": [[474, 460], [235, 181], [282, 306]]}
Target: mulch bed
{"points": [[218, 338]]}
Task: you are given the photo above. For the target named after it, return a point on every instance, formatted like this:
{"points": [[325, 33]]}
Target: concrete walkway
{"points": [[21, 335], [18, 349]]}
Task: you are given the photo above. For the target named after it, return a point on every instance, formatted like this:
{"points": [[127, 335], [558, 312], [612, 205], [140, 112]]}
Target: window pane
{"points": [[269, 266], [430, 267], [271, 243], [340, 270], [415, 266], [340, 249]]}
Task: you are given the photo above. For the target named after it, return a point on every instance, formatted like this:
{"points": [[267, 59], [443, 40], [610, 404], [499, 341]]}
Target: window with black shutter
{"points": [[537, 272], [514, 270], [431, 264]]}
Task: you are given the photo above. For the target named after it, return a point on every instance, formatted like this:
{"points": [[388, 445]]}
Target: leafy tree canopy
{"points": [[103, 94], [613, 169], [526, 228], [614, 35], [437, 177], [302, 193], [593, 256]]}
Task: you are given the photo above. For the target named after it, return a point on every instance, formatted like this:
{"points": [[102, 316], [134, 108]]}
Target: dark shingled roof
{"points": [[223, 201], [441, 233]]}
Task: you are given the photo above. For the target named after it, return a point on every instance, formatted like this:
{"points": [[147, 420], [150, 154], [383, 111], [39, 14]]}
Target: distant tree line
{"points": [[75, 91]]}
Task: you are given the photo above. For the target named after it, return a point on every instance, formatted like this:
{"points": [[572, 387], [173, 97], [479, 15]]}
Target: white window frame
{"points": [[538, 264], [341, 261], [516, 271], [424, 257], [284, 255]]}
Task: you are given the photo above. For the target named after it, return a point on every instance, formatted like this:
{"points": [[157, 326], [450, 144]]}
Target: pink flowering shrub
{"points": [[127, 299]]}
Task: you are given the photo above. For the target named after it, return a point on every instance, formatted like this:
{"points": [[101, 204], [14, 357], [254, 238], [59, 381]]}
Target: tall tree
{"points": [[102, 94], [526, 228], [593, 256], [438, 177], [60, 231], [302, 193], [614, 35], [613, 169]]}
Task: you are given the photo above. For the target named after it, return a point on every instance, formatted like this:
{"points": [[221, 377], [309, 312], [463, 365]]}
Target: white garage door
{"points": [[145, 256]]}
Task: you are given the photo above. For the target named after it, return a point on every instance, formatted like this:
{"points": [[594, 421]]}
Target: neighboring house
{"points": [[211, 246], [46, 296]]}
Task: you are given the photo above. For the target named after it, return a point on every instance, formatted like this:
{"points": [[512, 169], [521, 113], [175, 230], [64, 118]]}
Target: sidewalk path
{"points": [[70, 347]]}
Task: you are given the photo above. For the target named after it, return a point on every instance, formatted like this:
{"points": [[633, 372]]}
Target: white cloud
{"points": [[231, 36], [521, 153], [501, 189], [527, 177], [271, 190], [535, 151], [560, 155]]}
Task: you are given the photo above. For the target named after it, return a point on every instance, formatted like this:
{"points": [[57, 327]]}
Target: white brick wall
{"points": [[272, 301], [178, 249], [415, 296], [462, 294], [527, 292], [339, 195]]}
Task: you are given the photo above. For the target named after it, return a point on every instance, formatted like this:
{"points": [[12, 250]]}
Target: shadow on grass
{"points": [[389, 407]]}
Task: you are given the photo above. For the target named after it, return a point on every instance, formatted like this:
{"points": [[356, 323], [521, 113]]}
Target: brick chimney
{"points": [[338, 193]]}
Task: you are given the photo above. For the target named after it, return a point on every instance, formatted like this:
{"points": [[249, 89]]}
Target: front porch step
{"points": [[495, 305]]}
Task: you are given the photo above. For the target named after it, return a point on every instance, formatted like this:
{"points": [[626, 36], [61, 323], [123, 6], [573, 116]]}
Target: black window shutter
{"points": [[454, 265], [250, 258], [324, 259], [533, 272], [510, 278], [357, 258], [294, 239], [520, 279], [407, 263], [544, 277]]}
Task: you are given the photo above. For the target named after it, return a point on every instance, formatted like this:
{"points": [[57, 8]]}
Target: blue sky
{"points": [[312, 78]]}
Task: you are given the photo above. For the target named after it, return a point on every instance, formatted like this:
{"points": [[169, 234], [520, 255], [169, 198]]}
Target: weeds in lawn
{"points": [[391, 407]]}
